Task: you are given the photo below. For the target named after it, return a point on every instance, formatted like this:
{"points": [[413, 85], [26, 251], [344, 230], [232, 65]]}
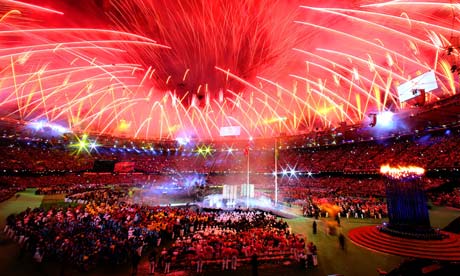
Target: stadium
{"points": [[226, 137]]}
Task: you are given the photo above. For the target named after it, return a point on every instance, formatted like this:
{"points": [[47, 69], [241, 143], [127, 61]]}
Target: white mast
{"points": [[276, 173], [247, 181]]}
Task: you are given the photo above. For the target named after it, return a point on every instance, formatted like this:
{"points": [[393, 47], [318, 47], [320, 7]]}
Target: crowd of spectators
{"points": [[108, 195], [33, 156], [82, 236], [428, 151], [291, 189], [100, 226], [68, 183], [7, 192], [348, 207], [236, 236], [450, 199], [355, 198], [105, 229], [431, 151]]}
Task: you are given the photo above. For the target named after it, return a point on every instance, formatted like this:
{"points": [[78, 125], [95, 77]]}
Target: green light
{"points": [[82, 145], [204, 150]]}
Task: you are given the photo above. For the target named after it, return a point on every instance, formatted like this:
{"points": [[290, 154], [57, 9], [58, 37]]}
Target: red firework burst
{"points": [[238, 36], [270, 67]]}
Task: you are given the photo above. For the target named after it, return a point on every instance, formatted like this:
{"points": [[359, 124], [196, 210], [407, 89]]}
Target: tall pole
{"points": [[276, 172], [247, 182]]}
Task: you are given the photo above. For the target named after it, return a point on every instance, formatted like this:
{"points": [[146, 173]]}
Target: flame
{"points": [[401, 172]]}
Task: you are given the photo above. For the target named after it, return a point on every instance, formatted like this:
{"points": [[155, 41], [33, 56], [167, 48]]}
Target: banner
{"points": [[124, 167]]}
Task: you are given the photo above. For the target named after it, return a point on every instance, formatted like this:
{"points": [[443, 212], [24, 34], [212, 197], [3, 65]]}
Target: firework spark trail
{"points": [[37, 48], [432, 35], [412, 3], [364, 41], [204, 34], [62, 72], [9, 13], [299, 100], [352, 84], [260, 100], [33, 7], [47, 76]]}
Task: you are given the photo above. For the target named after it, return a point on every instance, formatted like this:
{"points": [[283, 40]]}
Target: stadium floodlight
{"points": [[385, 119], [414, 88], [183, 141], [93, 145], [230, 131]]}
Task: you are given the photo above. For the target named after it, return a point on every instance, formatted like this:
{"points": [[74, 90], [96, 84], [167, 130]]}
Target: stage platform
{"points": [[370, 237], [280, 211]]}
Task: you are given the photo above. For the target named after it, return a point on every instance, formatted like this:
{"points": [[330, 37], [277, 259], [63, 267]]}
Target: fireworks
{"points": [[170, 68]]}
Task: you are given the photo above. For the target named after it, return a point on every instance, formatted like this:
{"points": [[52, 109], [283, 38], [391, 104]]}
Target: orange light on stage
{"points": [[401, 172]]}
